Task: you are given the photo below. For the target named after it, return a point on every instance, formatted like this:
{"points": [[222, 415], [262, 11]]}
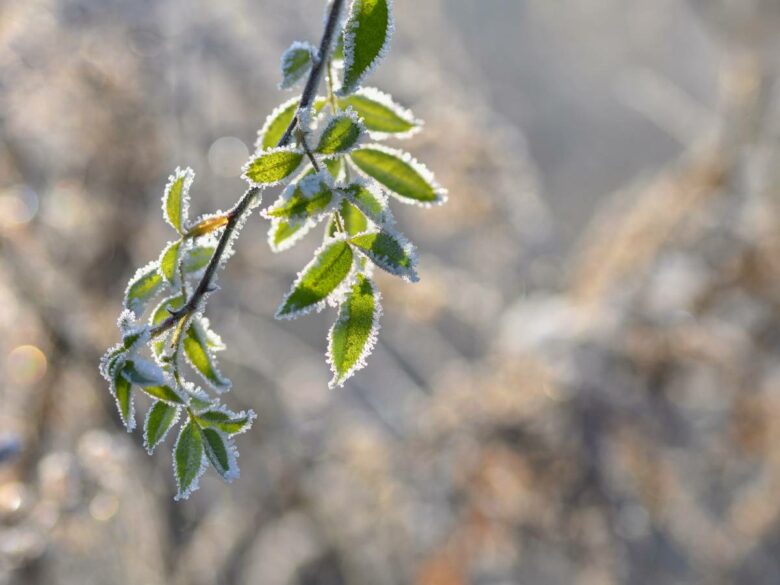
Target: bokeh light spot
{"points": [[227, 155], [18, 206], [26, 365]]}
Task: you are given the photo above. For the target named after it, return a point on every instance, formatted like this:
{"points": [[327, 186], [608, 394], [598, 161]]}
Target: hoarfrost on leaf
{"points": [[176, 198], [320, 279], [405, 178], [367, 34], [296, 62], [354, 334]]}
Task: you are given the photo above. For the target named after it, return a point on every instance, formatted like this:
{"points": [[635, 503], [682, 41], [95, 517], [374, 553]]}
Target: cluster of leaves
{"points": [[333, 173], [339, 175]]}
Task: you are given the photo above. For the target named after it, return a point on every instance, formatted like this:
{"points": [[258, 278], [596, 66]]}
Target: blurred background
{"points": [[584, 388]]}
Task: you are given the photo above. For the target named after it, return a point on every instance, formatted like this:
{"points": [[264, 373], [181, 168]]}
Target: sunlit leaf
{"points": [[311, 197], [159, 420], [371, 201], [146, 283], [340, 134], [381, 116], [188, 461], [272, 166], [169, 261], [390, 251], [367, 33], [353, 336], [164, 393], [408, 180], [318, 280], [275, 125], [175, 200], [297, 61]]}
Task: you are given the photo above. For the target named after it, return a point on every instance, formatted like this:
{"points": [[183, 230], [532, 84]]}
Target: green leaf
{"points": [[169, 261], [123, 392], [353, 335], [220, 453], [366, 40], [381, 116], [283, 235], [332, 263], [228, 422], [390, 251], [159, 420], [276, 124], [197, 258], [334, 166], [176, 198], [144, 286], [371, 201], [297, 61], [309, 198], [354, 220], [272, 166], [403, 176], [188, 460], [201, 357], [341, 133], [163, 393]]}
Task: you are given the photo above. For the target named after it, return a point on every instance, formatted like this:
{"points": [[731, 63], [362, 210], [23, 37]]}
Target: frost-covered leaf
{"points": [[176, 198], [276, 124], [381, 116], [169, 260], [311, 197], [123, 392], [228, 422], [220, 453], [197, 258], [353, 335], [272, 166], [143, 373], [318, 280], [146, 283], [188, 460], [367, 35], [340, 134], [159, 420], [390, 251], [201, 356], [297, 61], [283, 235], [407, 179], [355, 221], [371, 201], [334, 166], [164, 393]]}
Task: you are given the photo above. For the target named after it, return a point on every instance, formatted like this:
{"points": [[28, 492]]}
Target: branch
{"points": [[235, 214]]}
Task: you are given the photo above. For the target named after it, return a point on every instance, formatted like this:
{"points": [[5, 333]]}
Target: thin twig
{"points": [[237, 212]]}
